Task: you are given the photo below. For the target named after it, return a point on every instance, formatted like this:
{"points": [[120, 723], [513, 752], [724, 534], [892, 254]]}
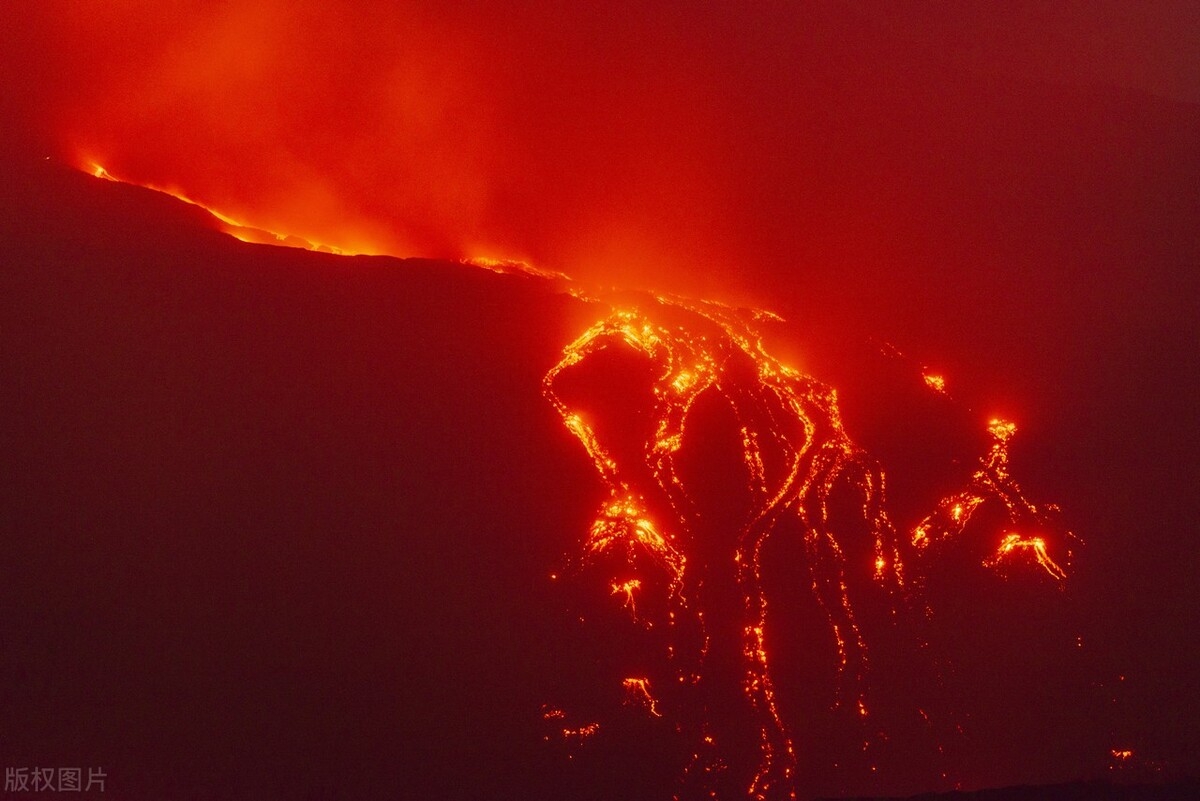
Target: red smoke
{"points": [[691, 148], [936, 180], [480, 131]]}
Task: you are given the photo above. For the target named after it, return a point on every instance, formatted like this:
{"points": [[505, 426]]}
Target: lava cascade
{"points": [[800, 474]]}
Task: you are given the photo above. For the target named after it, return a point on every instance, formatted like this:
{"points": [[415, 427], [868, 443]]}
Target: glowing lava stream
{"points": [[689, 366], [797, 459], [238, 230], [256, 235]]}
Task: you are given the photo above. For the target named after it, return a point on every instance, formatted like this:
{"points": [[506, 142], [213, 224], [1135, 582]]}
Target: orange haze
{"points": [[819, 159]]}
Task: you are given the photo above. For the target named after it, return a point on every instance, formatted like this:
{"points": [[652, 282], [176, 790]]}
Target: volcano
{"points": [[789, 403], [291, 524]]}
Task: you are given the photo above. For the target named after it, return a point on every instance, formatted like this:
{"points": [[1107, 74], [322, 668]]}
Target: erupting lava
{"points": [[801, 471], [800, 474]]}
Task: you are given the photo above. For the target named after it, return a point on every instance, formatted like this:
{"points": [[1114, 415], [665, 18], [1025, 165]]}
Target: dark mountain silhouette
{"points": [[279, 524], [276, 522]]}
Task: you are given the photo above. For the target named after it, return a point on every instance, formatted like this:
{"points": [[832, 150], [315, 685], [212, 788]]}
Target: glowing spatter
{"points": [[796, 456], [935, 382], [571, 736]]}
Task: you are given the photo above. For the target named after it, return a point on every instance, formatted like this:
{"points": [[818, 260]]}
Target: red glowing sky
{"points": [[819, 159], [637, 143], [1011, 194]]}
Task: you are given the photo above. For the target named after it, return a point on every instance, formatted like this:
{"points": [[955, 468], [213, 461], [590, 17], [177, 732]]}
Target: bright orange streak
{"points": [[241, 231], [637, 691], [1015, 543], [513, 267]]}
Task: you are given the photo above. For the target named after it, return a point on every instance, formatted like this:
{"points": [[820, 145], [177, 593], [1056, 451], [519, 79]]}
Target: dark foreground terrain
{"points": [[1078, 791], [279, 524]]}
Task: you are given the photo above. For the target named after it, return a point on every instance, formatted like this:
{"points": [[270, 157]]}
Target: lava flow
{"points": [[687, 553], [992, 480], [238, 229], [800, 471]]}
